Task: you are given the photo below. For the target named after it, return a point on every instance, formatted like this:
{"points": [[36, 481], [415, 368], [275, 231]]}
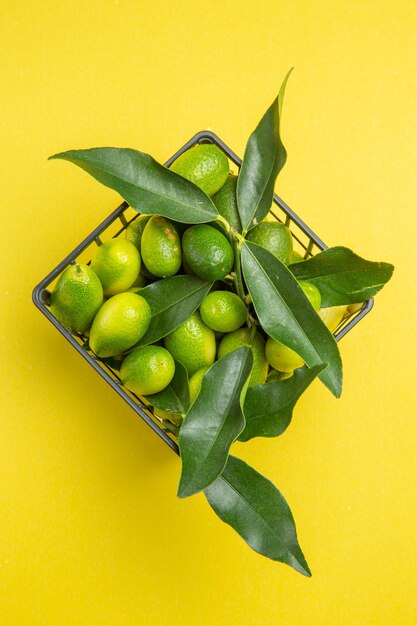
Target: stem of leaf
{"points": [[238, 279]]}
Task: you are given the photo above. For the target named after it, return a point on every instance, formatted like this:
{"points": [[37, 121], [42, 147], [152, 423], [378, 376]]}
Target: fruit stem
{"points": [[78, 268], [238, 279], [167, 425]]}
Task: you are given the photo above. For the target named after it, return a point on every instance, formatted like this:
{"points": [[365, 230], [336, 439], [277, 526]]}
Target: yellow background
{"points": [[91, 532]]}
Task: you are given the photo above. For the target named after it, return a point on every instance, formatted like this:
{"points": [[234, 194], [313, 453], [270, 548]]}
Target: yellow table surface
{"points": [[91, 531]]}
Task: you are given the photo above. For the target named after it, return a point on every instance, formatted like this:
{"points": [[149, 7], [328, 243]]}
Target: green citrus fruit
{"points": [[117, 264], [147, 370], [223, 311], [77, 297], [226, 204], [237, 339], [332, 316], [205, 165], [312, 293], [161, 247], [193, 344], [119, 324], [281, 357], [134, 230], [275, 237], [195, 383], [208, 253], [296, 257]]}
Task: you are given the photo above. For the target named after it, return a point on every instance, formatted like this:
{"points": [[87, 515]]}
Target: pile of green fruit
{"points": [[210, 316]]}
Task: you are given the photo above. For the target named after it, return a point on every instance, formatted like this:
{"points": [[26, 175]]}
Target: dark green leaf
{"points": [[254, 507], [172, 301], [213, 422], [176, 397], [268, 408], [264, 158], [145, 184], [286, 314], [342, 276]]}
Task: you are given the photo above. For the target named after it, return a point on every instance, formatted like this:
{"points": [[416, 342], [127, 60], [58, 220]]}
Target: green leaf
{"points": [[264, 158], [145, 184], [268, 408], [172, 300], [176, 397], [342, 276], [287, 316], [213, 422], [254, 507]]}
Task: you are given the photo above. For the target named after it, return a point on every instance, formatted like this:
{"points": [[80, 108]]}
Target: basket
{"points": [[113, 226]]}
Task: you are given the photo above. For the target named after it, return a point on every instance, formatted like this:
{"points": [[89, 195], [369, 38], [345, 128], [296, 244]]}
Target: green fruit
{"points": [[77, 297], [281, 357], [205, 165], [312, 293], [119, 324], [161, 247], [332, 316], [275, 237], [117, 264], [147, 370], [195, 383], [192, 343], [134, 230], [226, 204], [223, 311], [241, 337], [207, 252], [296, 257]]}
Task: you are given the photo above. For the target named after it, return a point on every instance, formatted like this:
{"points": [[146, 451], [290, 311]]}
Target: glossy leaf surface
{"points": [[254, 507]]}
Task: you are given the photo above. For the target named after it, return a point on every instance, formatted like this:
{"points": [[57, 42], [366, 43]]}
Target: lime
{"points": [[117, 264], [332, 316], [119, 324], [225, 201], [205, 165], [296, 257], [207, 252], [223, 311], [195, 383], [234, 341], [140, 282], [134, 230], [275, 237], [147, 370], [281, 357], [193, 344], [161, 247], [312, 293], [77, 297]]}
